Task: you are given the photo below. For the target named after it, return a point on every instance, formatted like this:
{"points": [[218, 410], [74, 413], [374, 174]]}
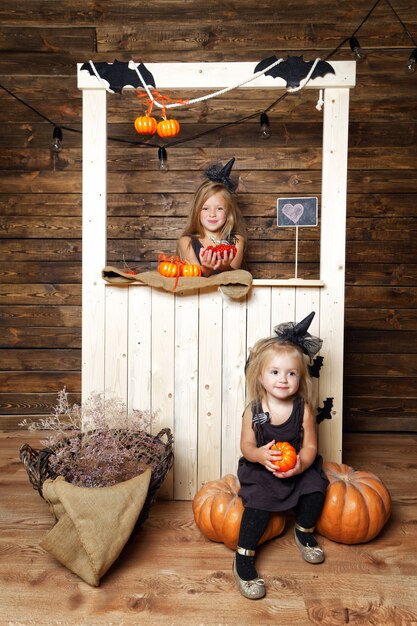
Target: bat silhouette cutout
{"points": [[119, 75], [325, 412], [315, 367], [294, 69]]}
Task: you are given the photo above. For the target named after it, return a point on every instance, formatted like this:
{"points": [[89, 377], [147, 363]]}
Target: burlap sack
{"points": [[234, 284], [93, 524]]}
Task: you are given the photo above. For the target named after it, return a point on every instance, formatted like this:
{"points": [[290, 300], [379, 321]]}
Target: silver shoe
{"points": [[310, 554], [252, 589]]}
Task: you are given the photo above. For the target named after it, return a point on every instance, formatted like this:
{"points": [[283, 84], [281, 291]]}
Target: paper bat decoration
{"points": [[119, 75], [325, 413], [294, 69], [315, 367]]}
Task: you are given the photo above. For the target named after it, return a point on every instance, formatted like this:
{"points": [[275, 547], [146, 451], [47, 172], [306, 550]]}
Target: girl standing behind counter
{"points": [[214, 219]]}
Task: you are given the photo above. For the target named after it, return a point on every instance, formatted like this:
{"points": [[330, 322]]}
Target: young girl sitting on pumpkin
{"points": [[280, 387], [215, 219]]}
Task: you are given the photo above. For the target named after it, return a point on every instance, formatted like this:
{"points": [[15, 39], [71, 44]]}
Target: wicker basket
{"points": [[36, 463]]}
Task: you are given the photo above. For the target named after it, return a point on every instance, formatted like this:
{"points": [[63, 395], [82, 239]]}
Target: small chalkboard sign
{"points": [[297, 212]]}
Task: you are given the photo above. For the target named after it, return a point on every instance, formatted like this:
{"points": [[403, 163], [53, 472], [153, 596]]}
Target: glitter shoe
{"points": [[252, 589], [310, 554]]}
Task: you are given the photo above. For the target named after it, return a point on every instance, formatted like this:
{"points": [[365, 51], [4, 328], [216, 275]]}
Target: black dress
{"points": [[260, 489]]}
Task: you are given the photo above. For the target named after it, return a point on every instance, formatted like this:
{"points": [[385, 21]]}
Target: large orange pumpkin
{"points": [[218, 511], [357, 505]]}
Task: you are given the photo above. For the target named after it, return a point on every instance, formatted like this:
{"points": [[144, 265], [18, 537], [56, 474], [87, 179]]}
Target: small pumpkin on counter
{"points": [[190, 269], [218, 512], [357, 505], [169, 267]]}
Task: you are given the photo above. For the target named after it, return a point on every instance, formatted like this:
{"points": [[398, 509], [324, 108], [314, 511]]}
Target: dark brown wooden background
{"points": [[40, 260]]}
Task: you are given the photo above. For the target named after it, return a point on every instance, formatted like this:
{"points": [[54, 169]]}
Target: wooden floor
{"points": [[170, 574]]}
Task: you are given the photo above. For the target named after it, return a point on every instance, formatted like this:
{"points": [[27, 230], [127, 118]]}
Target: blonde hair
{"points": [[258, 357], [234, 221]]}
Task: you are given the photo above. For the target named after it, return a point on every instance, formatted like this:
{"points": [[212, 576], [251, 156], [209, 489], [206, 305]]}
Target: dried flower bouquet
{"points": [[98, 443]]}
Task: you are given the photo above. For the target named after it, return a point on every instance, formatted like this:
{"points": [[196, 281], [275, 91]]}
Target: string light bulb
{"points": [[56, 140], [265, 130], [360, 55], [412, 61], [163, 160]]}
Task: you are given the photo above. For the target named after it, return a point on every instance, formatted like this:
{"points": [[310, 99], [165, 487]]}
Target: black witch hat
{"points": [[219, 173], [297, 334]]}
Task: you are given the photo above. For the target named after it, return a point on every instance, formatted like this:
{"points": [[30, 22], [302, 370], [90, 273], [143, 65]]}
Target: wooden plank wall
{"points": [[40, 201]]}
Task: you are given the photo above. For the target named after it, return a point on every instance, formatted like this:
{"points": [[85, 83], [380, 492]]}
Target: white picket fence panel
{"points": [[182, 355]]}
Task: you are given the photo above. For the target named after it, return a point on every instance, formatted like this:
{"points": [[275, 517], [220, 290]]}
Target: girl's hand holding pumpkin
{"points": [[266, 456], [297, 469]]}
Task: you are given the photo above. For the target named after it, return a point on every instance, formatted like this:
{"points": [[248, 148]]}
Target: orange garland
{"points": [[165, 128], [158, 96]]}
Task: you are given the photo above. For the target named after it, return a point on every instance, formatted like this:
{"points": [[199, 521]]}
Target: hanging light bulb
{"points": [[360, 55], [56, 140], [163, 159], [265, 130], [412, 61]]}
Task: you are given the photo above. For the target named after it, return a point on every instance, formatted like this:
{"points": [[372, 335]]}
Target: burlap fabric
{"points": [[93, 524], [234, 284]]}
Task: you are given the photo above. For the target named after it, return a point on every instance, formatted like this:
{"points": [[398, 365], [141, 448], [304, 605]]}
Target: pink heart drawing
{"points": [[293, 211]]}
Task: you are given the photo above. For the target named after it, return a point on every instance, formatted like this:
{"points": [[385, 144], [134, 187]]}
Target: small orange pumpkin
{"points": [[218, 512], [169, 268], [190, 269], [146, 125], [357, 505], [168, 128], [289, 455]]}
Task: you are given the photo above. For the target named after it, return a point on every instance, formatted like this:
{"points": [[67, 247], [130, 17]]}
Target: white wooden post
{"points": [[94, 180], [332, 265]]}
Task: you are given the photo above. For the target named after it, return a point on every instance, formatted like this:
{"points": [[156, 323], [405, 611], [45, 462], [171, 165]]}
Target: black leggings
{"points": [[308, 509], [252, 527], [255, 521]]}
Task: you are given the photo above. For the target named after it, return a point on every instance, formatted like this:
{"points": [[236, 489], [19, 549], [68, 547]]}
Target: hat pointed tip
{"points": [[302, 327], [226, 169]]}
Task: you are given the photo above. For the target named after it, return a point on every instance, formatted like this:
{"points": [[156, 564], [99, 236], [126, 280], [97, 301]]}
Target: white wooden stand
{"points": [[183, 354]]}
